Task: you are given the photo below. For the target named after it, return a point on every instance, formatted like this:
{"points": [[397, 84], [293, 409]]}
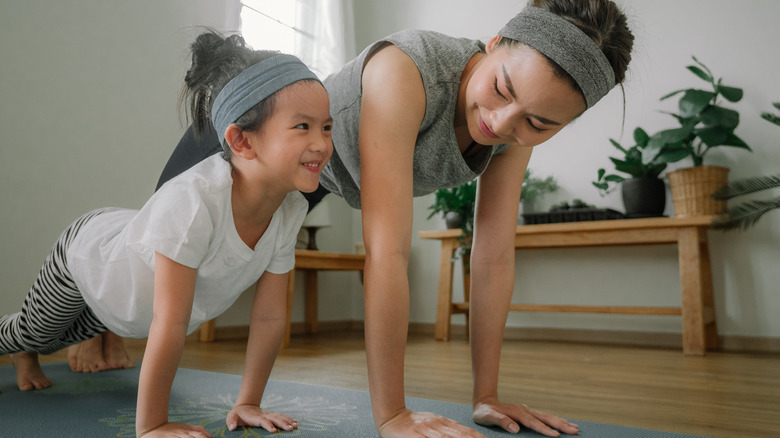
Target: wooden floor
{"points": [[718, 395]]}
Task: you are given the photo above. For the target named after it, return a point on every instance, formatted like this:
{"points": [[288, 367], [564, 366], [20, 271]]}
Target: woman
{"points": [[418, 111]]}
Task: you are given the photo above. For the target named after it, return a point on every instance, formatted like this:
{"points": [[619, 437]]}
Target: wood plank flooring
{"points": [[718, 395]]}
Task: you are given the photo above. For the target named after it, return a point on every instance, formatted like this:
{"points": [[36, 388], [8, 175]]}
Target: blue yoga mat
{"points": [[103, 405]]}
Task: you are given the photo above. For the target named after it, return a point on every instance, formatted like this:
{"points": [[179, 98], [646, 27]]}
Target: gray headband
{"points": [[253, 85], [566, 45]]}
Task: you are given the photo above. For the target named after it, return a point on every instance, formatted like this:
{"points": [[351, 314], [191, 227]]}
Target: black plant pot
{"points": [[453, 219], [644, 197]]}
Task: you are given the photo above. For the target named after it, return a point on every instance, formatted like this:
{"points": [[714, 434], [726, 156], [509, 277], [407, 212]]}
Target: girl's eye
{"points": [[533, 127], [302, 126], [495, 88]]}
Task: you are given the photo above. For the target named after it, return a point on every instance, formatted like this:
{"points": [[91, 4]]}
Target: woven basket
{"points": [[692, 190]]}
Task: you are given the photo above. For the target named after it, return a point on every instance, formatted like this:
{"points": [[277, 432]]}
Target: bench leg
{"points": [[444, 307], [310, 284], [698, 311]]}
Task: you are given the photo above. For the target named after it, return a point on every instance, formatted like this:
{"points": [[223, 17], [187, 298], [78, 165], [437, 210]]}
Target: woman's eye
{"points": [[327, 128], [495, 88], [532, 126]]}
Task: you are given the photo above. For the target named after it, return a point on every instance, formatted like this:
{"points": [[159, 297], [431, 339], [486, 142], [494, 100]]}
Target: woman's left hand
{"points": [[492, 412], [254, 416]]}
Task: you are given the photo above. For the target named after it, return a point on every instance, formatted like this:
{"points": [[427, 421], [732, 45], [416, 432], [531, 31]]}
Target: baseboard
{"points": [[729, 343]]}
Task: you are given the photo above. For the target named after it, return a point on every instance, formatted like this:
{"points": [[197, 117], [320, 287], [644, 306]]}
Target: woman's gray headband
{"points": [[253, 85], [566, 45]]}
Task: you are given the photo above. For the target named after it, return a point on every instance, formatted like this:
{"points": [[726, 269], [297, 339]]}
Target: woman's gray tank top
{"points": [[438, 162]]}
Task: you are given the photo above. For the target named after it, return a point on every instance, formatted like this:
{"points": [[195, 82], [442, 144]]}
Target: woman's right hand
{"points": [[167, 430], [407, 423]]}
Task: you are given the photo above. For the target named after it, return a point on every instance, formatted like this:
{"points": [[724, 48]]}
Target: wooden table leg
{"points": [[444, 306], [207, 331], [694, 285], [310, 283], [290, 289]]}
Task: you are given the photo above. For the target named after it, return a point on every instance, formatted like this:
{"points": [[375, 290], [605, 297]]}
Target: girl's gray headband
{"points": [[253, 85], [566, 45]]}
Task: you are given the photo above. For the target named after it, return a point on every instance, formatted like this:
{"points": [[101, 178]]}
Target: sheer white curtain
{"points": [[320, 32]]}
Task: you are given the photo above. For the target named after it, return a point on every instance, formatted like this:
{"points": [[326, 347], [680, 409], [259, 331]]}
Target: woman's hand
{"points": [[424, 424], [176, 430], [491, 412], [253, 416]]}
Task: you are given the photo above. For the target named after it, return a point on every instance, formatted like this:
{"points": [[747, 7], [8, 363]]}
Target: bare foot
{"points": [[87, 357], [115, 353], [29, 374]]}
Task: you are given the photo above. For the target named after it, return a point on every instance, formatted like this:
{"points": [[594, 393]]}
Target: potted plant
{"points": [[456, 205], [642, 190], [704, 124], [534, 188], [746, 215]]}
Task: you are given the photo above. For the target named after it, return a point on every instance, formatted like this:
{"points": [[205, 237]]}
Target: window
{"points": [[269, 24], [319, 32]]}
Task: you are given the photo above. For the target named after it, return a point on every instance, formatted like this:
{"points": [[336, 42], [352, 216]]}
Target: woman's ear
{"points": [[492, 43], [239, 142]]}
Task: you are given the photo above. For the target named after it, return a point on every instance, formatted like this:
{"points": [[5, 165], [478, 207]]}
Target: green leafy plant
{"points": [[631, 165], [534, 188], [704, 123], [746, 215], [460, 199]]}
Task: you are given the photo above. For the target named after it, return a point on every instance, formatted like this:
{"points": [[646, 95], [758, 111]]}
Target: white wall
{"points": [[88, 116], [737, 41]]}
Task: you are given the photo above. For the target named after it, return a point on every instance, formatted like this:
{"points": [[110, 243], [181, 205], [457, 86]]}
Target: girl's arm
{"points": [[266, 330], [393, 106], [492, 284], [174, 289]]}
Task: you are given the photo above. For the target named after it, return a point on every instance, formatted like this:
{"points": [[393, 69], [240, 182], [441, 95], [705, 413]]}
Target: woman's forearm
{"points": [[491, 295], [387, 319]]}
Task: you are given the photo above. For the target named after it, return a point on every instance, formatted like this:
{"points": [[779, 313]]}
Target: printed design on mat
{"points": [[314, 414]]}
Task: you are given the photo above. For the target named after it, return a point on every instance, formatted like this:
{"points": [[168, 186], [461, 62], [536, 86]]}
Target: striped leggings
{"points": [[54, 314]]}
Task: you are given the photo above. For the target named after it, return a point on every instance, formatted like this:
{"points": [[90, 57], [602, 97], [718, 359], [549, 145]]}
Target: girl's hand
{"points": [[176, 430], [424, 424], [253, 416], [491, 412]]}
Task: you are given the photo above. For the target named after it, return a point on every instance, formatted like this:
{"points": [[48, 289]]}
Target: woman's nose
{"points": [[504, 120]]}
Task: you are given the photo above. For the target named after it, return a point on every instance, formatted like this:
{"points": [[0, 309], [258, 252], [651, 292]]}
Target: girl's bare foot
{"points": [[115, 353], [29, 374], [87, 357]]}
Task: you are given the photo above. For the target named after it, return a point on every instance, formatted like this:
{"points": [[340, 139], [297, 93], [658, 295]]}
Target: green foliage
{"points": [[704, 124], [460, 199], [746, 215], [631, 165], [534, 188]]}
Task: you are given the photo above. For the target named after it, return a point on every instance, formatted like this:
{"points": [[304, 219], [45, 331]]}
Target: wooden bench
{"points": [[310, 262], [699, 330]]}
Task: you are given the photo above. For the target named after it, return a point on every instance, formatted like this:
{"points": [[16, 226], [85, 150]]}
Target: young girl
{"points": [[225, 224], [418, 111]]}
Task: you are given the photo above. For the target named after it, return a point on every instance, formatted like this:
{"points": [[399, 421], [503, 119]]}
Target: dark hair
{"points": [[216, 60], [603, 22]]}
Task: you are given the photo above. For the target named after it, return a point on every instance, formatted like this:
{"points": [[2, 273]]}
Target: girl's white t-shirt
{"points": [[190, 221]]}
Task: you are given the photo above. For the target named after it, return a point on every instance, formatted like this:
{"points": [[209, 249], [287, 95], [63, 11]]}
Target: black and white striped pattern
{"points": [[54, 314]]}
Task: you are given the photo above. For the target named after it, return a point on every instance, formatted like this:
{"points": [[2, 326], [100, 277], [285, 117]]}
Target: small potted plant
{"points": [[642, 190], [704, 125], [534, 188], [456, 205]]}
